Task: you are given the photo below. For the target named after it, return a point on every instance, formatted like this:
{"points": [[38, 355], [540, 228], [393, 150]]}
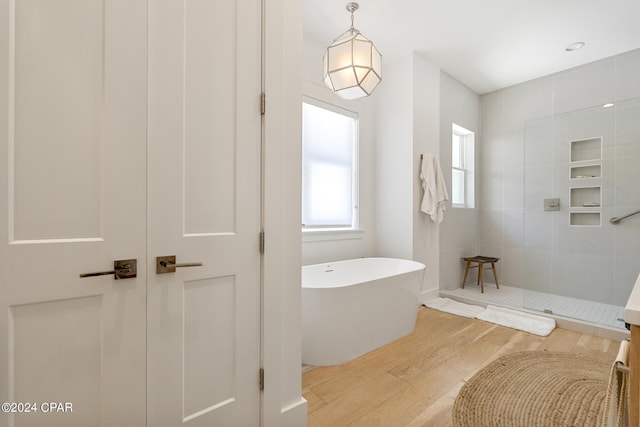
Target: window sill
{"points": [[329, 234]]}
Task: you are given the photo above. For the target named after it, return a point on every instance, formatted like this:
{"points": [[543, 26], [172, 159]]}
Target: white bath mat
{"points": [[531, 323], [454, 307], [538, 325]]}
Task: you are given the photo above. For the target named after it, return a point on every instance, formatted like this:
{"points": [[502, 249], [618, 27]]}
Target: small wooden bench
{"points": [[480, 261]]}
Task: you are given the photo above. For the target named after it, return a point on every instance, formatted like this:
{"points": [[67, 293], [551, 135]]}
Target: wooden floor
{"points": [[414, 380]]}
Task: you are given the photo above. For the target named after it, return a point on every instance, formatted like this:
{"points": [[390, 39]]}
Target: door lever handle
{"points": [[167, 264], [122, 269], [185, 264]]}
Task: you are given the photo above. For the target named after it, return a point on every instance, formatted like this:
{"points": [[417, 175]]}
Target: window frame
{"points": [[350, 230], [466, 150]]}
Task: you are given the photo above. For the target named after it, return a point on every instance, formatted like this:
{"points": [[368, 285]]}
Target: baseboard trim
{"points": [[295, 414], [428, 295]]}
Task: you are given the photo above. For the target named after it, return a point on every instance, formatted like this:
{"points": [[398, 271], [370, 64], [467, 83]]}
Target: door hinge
{"points": [[261, 378], [262, 242], [263, 103]]}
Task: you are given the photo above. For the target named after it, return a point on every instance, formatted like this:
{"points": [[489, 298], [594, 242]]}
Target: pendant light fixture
{"points": [[352, 64]]}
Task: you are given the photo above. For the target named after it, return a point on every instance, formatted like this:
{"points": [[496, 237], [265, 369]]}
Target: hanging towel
{"points": [[435, 189], [615, 405]]}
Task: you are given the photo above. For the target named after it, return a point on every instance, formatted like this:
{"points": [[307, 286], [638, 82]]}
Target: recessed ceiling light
{"points": [[575, 46], [608, 105]]}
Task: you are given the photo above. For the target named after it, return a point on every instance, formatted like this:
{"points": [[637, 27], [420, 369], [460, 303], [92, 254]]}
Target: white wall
{"points": [[320, 247], [412, 107], [394, 163], [459, 230], [426, 138], [532, 255]]}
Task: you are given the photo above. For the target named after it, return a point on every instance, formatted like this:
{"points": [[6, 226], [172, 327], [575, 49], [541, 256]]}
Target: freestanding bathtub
{"points": [[352, 307]]}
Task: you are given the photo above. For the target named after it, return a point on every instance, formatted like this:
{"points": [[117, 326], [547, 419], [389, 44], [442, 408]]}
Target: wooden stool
{"points": [[481, 261]]}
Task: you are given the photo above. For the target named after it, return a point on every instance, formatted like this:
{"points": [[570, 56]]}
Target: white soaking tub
{"points": [[352, 307]]}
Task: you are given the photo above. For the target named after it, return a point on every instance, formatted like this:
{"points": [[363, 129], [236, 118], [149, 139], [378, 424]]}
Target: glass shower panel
{"points": [[576, 263]]}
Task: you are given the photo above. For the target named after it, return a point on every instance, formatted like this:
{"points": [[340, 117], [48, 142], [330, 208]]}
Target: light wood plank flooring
{"points": [[414, 380]]}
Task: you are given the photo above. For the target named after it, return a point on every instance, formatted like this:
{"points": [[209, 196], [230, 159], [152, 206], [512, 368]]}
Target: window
{"points": [[462, 167], [329, 173]]}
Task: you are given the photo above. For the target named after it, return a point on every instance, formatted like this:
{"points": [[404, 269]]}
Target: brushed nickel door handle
{"points": [[167, 264], [122, 269]]}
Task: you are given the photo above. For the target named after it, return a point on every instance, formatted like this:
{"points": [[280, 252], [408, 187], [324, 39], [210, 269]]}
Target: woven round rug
{"points": [[535, 388]]}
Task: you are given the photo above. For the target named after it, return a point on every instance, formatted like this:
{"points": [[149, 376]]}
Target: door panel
{"points": [[68, 333], [208, 381], [72, 200], [58, 79], [210, 113], [204, 206]]}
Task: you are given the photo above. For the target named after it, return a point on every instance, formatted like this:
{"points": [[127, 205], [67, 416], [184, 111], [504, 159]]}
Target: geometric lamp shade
{"points": [[352, 65]]}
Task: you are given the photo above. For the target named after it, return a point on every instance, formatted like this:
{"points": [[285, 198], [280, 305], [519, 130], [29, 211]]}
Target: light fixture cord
{"points": [[352, 27], [352, 7]]}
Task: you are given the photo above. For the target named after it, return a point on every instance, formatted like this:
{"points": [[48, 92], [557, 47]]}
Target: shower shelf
{"points": [[586, 172], [585, 179], [585, 209], [582, 197], [585, 219], [586, 149]]}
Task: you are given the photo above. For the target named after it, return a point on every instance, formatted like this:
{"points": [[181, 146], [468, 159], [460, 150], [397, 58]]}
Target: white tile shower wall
{"points": [[627, 183], [585, 86], [458, 239], [506, 163], [627, 71]]}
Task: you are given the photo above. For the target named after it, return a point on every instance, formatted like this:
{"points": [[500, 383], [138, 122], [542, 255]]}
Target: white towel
{"points": [[435, 189], [534, 324], [616, 406], [454, 307]]}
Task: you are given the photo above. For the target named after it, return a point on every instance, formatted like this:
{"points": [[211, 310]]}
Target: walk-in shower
{"points": [[581, 230]]}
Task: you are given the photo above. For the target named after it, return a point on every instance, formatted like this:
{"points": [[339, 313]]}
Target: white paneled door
{"points": [[130, 130], [204, 207], [73, 94]]}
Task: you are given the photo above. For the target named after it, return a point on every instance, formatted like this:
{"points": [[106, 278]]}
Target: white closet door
{"points": [[204, 207], [72, 200]]}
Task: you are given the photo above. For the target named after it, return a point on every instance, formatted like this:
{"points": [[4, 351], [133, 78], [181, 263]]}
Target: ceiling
{"points": [[485, 44]]}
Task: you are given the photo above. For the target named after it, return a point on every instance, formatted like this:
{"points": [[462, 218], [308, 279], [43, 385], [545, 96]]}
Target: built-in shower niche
{"points": [[586, 149], [585, 197], [585, 182], [591, 219], [586, 172]]}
